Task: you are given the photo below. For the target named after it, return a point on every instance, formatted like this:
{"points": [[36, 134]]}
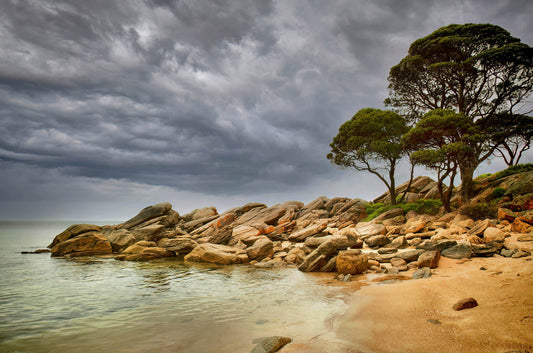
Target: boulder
{"points": [[519, 226], [506, 214], [146, 233], [270, 344], [390, 214], [146, 253], [72, 231], [197, 223], [436, 245], [352, 262], [459, 251], [262, 248], [493, 234], [318, 257], [311, 230], [409, 255], [120, 239], [414, 226], [424, 272], [376, 241], [295, 256], [486, 249], [91, 243], [201, 213], [480, 227], [221, 235], [370, 228], [178, 245], [400, 264], [398, 242], [216, 253], [147, 214], [429, 259]]}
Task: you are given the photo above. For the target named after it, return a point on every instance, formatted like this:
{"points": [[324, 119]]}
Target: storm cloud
{"points": [[113, 105]]}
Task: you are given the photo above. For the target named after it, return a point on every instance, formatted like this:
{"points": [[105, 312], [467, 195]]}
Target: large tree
{"points": [[371, 141], [478, 70]]}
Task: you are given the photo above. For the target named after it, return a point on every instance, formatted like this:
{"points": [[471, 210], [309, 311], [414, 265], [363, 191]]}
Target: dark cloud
{"points": [[228, 101]]}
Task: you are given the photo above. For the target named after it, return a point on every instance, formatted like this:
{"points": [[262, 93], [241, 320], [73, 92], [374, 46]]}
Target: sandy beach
{"points": [[417, 316]]}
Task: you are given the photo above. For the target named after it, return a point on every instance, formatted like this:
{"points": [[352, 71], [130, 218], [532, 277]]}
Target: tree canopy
{"points": [[478, 70], [371, 141]]}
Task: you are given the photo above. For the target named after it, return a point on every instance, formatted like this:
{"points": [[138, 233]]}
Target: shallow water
{"points": [[103, 305]]}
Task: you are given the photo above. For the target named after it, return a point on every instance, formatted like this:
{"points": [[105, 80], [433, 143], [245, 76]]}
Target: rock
{"points": [[401, 264], [295, 256], [216, 253], [506, 214], [424, 272], [466, 303], [390, 214], [387, 251], [520, 253], [459, 251], [221, 235], [524, 238], [318, 257], [120, 239], [429, 259], [201, 213], [330, 266], [146, 233], [74, 230], [91, 243], [414, 226], [508, 252], [393, 222], [398, 242], [376, 241], [352, 262], [263, 247], [270, 344], [38, 251], [147, 214], [409, 255], [519, 226], [148, 253], [480, 227], [370, 229], [317, 204], [485, 249], [311, 230], [493, 234], [178, 245], [197, 223]]}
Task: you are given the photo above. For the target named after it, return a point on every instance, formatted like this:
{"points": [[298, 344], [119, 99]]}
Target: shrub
{"points": [[480, 210], [515, 169], [483, 176], [420, 206], [498, 192]]}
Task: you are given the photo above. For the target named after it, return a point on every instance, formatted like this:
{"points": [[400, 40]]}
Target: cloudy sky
{"points": [[109, 106]]}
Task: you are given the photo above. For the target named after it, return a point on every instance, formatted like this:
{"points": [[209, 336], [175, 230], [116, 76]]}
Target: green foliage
{"points": [[498, 192], [371, 141], [515, 169], [483, 176], [420, 206], [480, 210]]}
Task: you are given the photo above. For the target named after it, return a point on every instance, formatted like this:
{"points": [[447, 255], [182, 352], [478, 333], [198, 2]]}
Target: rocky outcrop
{"points": [[218, 254], [88, 243]]}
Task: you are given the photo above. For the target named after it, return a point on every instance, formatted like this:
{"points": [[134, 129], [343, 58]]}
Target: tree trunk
{"points": [[467, 181], [392, 188]]}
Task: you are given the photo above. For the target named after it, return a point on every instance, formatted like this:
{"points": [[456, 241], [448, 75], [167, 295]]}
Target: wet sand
{"points": [[417, 316]]}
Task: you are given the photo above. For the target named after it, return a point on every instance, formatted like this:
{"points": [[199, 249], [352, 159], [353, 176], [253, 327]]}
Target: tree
{"points": [[478, 70], [439, 141], [512, 133], [371, 141]]}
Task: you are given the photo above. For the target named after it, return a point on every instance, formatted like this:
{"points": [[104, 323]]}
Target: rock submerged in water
{"points": [[270, 344]]}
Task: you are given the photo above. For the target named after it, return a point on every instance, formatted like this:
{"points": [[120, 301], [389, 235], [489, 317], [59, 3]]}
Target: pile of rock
{"points": [[325, 235]]}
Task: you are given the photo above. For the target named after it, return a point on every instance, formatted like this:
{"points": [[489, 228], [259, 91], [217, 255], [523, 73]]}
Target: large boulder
{"points": [[262, 247], [200, 213], [120, 239], [72, 231], [144, 253], [86, 244], [147, 214], [352, 262], [216, 253], [178, 245], [459, 251], [429, 259], [368, 229], [311, 230], [147, 233], [376, 241], [319, 257]]}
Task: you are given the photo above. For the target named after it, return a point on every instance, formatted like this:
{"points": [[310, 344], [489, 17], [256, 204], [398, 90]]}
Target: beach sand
{"points": [[417, 315]]}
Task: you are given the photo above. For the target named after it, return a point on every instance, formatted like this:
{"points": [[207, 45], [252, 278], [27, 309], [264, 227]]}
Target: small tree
{"points": [[371, 141], [478, 70]]}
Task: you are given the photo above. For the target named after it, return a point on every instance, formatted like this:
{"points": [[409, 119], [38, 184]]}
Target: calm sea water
{"points": [[103, 305]]}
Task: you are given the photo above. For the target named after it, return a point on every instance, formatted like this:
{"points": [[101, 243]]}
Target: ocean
{"points": [[93, 304]]}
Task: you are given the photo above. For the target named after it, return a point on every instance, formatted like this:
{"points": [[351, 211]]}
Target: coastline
{"points": [[394, 317]]}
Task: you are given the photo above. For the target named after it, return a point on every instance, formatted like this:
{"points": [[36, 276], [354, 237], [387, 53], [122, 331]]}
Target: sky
{"points": [[110, 106]]}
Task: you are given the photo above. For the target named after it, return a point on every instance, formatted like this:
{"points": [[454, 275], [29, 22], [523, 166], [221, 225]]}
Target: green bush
{"points": [[421, 206], [498, 192], [480, 210], [483, 176], [515, 169]]}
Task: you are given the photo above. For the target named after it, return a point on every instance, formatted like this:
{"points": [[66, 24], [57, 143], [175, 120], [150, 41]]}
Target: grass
{"points": [[421, 206]]}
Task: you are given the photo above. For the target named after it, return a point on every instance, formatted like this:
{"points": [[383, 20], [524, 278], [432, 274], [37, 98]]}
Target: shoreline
{"points": [[394, 317]]}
